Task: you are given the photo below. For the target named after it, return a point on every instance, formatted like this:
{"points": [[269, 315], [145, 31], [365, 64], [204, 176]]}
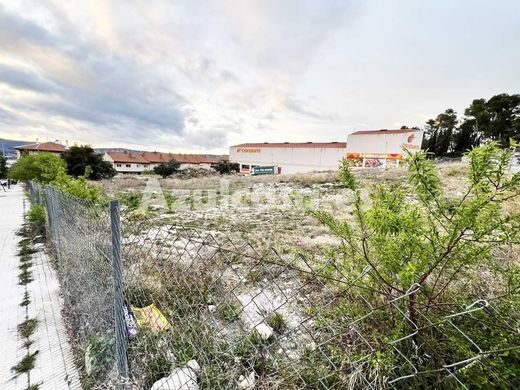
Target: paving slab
{"points": [[54, 369]]}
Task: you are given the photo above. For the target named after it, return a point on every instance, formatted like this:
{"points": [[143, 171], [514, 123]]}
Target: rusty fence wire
{"points": [[155, 306]]}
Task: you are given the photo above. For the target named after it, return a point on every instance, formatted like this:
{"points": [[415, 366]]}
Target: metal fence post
{"points": [[54, 205], [121, 340]]}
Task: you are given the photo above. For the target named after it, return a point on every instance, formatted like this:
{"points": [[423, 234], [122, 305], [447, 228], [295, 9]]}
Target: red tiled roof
{"points": [[159, 157], [216, 159], [43, 147], [383, 131], [127, 157], [293, 145]]}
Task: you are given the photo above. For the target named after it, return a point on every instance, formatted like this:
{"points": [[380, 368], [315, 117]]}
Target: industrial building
{"points": [[381, 148], [288, 157], [367, 148]]}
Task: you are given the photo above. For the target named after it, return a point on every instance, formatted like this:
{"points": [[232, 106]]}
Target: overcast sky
{"points": [[203, 75]]}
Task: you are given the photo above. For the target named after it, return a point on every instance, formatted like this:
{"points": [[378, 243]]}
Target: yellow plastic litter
{"points": [[151, 317]]}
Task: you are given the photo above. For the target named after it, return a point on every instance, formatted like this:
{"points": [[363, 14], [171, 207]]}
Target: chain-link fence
{"points": [[80, 234], [172, 307]]}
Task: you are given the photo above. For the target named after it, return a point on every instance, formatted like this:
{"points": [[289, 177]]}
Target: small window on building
{"points": [[118, 165], [245, 166], [128, 165]]}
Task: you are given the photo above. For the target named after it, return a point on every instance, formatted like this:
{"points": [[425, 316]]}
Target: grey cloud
{"points": [[300, 108], [6, 116], [15, 30], [208, 139], [229, 76], [25, 79], [110, 89]]}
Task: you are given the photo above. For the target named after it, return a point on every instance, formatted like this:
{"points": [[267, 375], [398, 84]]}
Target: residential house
{"points": [[38, 147], [138, 162], [127, 162]]}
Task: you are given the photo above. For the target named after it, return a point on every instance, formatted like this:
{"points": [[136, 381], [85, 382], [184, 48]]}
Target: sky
{"points": [[199, 76]]}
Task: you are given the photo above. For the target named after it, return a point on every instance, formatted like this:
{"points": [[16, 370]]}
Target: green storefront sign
{"points": [[263, 170]]}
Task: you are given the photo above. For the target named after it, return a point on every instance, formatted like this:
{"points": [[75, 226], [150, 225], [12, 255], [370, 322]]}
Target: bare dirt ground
{"points": [[266, 210]]}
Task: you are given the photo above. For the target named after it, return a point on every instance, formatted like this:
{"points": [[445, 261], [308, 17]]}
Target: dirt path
{"points": [[54, 367]]}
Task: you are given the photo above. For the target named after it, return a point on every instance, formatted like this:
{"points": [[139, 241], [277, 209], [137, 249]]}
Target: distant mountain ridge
{"points": [[7, 146], [103, 150]]}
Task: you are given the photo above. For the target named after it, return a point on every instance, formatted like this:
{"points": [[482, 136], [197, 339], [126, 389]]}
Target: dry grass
{"points": [[268, 209], [123, 183]]}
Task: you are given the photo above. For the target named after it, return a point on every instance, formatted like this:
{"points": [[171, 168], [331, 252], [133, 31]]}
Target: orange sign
{"points": [[394, 156], [410, 146], [248, 150]]}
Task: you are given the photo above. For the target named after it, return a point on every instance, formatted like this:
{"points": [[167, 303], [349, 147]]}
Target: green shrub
{"points": [[36, 214], [139, 296], [27, 328], [231, 311], [167, 168], [277, 322], [100, 352], [40, 167], [132, 200], [412, 236], [78, 187], [26, 364], [25, 277]]}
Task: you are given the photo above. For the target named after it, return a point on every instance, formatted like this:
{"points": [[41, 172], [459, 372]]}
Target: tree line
{"points": [[495, 119]]}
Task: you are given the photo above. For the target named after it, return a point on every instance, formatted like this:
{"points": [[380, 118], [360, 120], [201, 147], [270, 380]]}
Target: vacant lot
{"points": [[264, 210], [310, 313]]}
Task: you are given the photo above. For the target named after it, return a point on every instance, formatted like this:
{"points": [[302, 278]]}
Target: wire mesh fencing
{"points": [[154, 305], [80, 237]]}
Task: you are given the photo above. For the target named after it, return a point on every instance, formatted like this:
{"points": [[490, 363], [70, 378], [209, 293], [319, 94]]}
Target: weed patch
{"points": [[26, 364], [27, 328]]}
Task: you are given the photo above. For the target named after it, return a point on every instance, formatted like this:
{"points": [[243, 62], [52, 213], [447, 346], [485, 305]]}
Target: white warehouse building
{"points": [[367, 148], [381, 148], [288, 157]]}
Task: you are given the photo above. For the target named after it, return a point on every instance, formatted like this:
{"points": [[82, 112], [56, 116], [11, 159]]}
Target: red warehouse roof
{"points": [[382, 131], [293, 145]]}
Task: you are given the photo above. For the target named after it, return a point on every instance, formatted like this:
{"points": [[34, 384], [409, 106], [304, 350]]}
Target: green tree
{"points": [[439, 133], [78, 158], [447, 123], [40, 167], [226, 167], [431, 135], [504, 118], [432, 250], [168, 168], [465, 137], [3, 167], [478, 114]]}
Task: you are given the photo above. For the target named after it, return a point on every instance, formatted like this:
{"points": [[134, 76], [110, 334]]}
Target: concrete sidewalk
{"points": [[54, 367]]}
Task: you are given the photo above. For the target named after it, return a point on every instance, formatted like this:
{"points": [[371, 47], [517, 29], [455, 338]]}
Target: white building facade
{"points": [[288, 157], [367, 148], [382, 148], [127, 162], [140, 162]]}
